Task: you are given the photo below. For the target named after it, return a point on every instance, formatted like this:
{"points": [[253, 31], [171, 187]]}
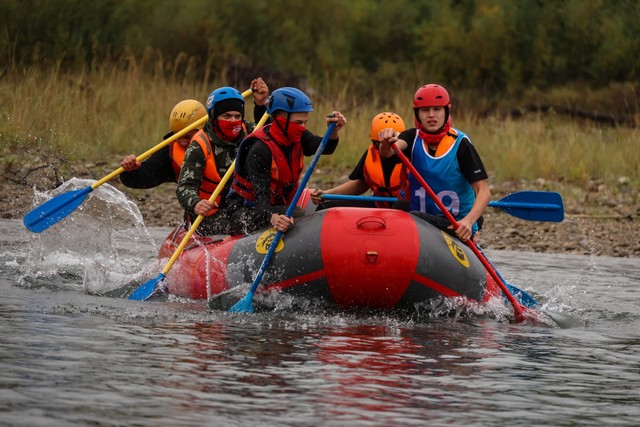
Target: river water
{"points": [[74, 351]]}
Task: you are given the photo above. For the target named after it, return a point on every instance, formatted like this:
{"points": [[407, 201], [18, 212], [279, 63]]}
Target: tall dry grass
{"points": [[93, 115], [117, 109]]}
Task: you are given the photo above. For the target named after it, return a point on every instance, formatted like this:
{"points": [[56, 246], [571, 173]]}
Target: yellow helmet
{"points": [[383, 121], [184, 113]]}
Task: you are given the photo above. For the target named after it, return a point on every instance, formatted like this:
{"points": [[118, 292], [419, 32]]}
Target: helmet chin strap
{"points": [[286, 129], [447, 111]]}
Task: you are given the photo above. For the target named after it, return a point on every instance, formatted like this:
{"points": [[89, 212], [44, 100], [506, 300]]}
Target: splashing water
{"points": [[94, 245]]}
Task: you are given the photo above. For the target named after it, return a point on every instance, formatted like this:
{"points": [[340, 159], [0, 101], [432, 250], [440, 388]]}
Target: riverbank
{"points": [[599, 219]]}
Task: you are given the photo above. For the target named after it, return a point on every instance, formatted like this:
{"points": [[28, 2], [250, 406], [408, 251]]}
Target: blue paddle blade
{"points": [[533, 205], [145, 290], [522, 297], [245, 305], [52, 211], [528, 205]]}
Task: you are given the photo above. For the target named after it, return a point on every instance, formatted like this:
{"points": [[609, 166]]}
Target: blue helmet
{"points": [[231, 95], [289, 99]]}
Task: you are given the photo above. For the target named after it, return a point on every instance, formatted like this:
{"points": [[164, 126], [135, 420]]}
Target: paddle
{"points": [[58, 208], [518, 309], [522, 296], [245, 305], [147, 289], [544, 206]]}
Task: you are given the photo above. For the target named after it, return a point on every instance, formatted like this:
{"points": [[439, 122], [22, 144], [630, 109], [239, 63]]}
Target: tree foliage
{"points": [[494, 46]]}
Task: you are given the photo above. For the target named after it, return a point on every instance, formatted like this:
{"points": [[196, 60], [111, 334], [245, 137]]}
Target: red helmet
{"points": [[431, 95]]}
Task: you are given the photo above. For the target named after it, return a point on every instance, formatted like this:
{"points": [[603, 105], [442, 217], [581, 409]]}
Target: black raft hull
{"points": [[350, 258]]}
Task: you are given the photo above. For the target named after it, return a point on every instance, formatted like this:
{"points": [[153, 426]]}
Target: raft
{"points": [[347, 258]]}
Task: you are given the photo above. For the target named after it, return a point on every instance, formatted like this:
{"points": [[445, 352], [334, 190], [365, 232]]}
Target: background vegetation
{"points": [[96, 80], [493, 46]]}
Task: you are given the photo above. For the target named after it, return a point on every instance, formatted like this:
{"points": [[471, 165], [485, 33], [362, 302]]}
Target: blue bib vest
{"points": [[445, 178]]}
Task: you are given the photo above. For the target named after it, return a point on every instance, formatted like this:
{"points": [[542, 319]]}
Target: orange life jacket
{"points": [[176, 153], [211, 177], [376, 180]]}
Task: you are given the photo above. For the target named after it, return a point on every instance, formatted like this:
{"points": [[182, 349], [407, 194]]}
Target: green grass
{"points": [[99, 116]]}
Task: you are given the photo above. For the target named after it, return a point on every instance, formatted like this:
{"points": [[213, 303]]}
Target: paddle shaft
{"points": [[53, 210], [161, 145], [147, 289], [213, 197], [518, 309], [267, 259], [198, 220], [494, 204]]}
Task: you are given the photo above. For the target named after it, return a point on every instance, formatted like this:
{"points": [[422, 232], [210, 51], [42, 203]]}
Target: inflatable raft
{"points": [[348, 258]]}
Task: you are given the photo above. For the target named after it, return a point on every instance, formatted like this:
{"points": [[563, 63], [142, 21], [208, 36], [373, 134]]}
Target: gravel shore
{"points": [[599, 220]]}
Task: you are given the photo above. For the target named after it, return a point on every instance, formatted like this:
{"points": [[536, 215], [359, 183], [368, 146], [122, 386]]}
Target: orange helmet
{"points": [[185, 113], [383, 121]]}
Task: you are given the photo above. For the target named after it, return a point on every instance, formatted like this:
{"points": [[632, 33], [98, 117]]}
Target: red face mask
{"points": [[433, 138], [293, 132], [228, 129]]}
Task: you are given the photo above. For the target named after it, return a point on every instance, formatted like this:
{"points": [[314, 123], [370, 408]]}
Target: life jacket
{"points": [[211, 177], [284, 175], [442, 172], [376, 179], [176, 153]]}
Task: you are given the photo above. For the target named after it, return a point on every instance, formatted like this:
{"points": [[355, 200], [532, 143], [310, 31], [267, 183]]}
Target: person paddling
{"points": [[164, 165], [373, 172], [270, 162], [213, 150], [445, 158]]}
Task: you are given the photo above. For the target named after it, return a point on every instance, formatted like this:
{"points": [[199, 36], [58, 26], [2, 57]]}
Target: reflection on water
{"points": [[114, 359], [90, 359], [70, 357]]}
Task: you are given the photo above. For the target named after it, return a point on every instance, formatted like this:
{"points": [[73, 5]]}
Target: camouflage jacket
{"points": [[194, 164]]}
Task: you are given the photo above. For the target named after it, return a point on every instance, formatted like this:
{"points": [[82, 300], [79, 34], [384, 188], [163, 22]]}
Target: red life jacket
{"points": [[211, 177], [285, 176], [375, 178]]}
